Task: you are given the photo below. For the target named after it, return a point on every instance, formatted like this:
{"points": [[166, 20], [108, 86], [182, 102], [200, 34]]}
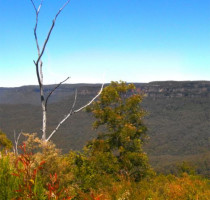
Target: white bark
{"points": [[16, 139], [39, 64], [72, 111]]}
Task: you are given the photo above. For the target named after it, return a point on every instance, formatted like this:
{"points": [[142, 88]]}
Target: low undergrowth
{"points": [[46, 174]]}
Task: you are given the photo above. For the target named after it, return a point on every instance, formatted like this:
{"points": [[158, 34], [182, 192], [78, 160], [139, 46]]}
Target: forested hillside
{"points": [[178, 119]]}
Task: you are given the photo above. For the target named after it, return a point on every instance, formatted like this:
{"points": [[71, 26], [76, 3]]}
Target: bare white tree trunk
{"points": [[39, 64], [16, 139]]}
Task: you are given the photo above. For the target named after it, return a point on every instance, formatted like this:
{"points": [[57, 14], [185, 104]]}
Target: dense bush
{"points": [[77, 176], [26, 176]]}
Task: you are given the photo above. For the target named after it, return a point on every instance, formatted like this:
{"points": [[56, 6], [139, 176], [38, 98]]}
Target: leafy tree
{"points": [[5, 143], [119, 114]]}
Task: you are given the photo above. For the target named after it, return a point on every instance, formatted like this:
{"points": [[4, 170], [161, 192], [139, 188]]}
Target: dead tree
{"points": [[16, 140], [39, 73]]}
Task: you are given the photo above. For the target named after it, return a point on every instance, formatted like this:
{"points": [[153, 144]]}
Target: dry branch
{"points": [[65, 118], [38, 64], [57, 86], [50, 31], [74, 111], [16, 140]]}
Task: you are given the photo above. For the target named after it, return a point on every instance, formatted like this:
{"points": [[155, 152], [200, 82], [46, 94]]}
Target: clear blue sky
{"points": [[103, 40]]}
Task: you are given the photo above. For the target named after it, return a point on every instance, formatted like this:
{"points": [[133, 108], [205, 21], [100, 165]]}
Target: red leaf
{"points": [[41, 163], [35, 171], [14, 174]]}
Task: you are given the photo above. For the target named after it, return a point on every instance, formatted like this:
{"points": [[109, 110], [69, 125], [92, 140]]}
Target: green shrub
{"points": [[8, 182]]}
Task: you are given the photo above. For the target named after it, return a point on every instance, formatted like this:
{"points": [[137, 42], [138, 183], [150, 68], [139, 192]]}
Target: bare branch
{"points": [[65, 118], [91, 100], [49, 33], [37, 14], [34, 6], [39, 6], [16, 139], [65, 4], [40, 80], [75, 111], [48, 96], [39, 63]]}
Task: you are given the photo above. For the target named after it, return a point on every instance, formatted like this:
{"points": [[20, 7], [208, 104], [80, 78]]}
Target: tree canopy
{"points": [[119, 117], [5, 143]]}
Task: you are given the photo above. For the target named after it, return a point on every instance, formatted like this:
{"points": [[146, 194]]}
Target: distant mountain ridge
{"points": [[30, 94], [178, 89], [178, 121]]}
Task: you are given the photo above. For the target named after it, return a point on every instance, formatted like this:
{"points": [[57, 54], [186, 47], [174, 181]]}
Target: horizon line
{"points": [[80, 83]]}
